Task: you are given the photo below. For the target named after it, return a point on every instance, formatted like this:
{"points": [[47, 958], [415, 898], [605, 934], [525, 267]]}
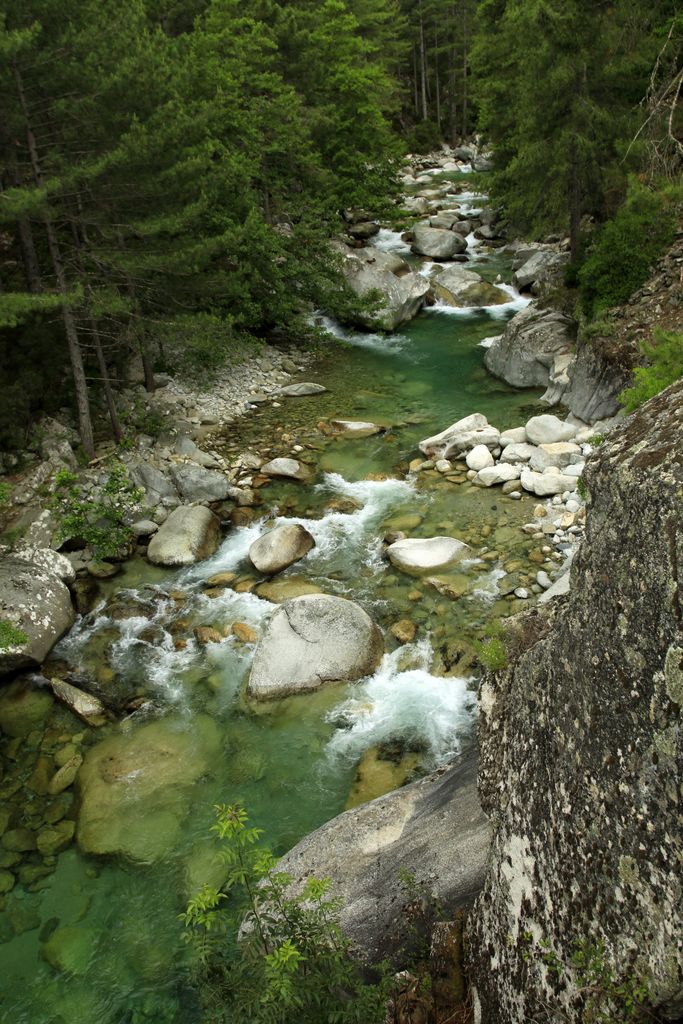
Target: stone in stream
{"points": [[355, 428], [191, 533], [538, 266], [70, 950], [525, 353], [458, 286], [402, 291], [516, 435], [313, 640], [415, 556], [437, 243], [289, 468], [280, 548], [301, 390], [24, 706], [518, 451], [462, 436], [35, 603], [545, 484], [548, 429], [559, 455], [284, 589], [84, 705], [433, 828], [500, 474], [137, 788], [479, 458]]}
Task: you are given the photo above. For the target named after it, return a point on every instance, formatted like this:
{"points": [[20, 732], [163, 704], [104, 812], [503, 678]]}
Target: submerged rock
{"points": [[137, 788], [302, 390], [433, 829], [314, 640], [191, 533], [415, 556], [37, 604], [84, 705], [280, 548]]}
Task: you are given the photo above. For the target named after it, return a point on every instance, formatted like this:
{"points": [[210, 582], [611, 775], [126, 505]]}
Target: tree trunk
{"points": [[416, 78], [575, 205], [147, 366], [465, 54], [423, 69], [26, 244], [437, 83], [75, 354]]}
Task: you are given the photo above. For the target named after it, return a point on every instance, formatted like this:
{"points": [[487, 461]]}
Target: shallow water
{"points": [[292, 763]]}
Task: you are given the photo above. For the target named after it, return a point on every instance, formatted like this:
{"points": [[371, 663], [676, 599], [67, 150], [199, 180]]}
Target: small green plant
{"points": [[97, 520], [492, 651], [582, 489], [665, 358], [265, 955], [10, 636], [604, 997], [5, 495]]}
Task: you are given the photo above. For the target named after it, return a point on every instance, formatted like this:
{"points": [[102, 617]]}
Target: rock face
{"points": [[525, 353], [280, 548], [581, 750], [437, 243], [595, 383], [433, 828], [191, 533], [137, 789], [416, 556], [313, 640], [37, 603], [403, 292], [538, 267]]}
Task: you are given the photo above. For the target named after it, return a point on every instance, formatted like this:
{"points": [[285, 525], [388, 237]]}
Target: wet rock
{"points": [[457, 286], [195, 483], [38, 605], [190, 534], [221, 579], [24, 706], [53, 840], [461, 437], [404, 631], [355, 428], [244, 633], [453, 586], [66, 775], [207, 635], [301, 390], [86, 593], [437, 243], [136, 789], [377, 775], [7, 882], [280, 548], [433, 828], [18, 840], [285, 589], [549, 429], [103, 570], [84, 705], [289, 468], [70, 950], [314, 640], [415, 556]]}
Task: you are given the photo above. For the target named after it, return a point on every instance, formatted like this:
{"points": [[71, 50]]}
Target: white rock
{"points": [[479, 458], [499, 474], [517, 435], [558, 455], [573, 506], [444, 466], [548, 429], [543, 579], [518, 451], [462, 436], [522, 593], [290, 468], [415, 556], [545, 484], [558, 588], [576, 470]]}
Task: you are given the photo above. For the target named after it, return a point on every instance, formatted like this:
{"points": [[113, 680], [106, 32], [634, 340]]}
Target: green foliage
{"points": [[98, 519], [604, 996], [491, 650], [5, 495], [10, 636], [626, 248], [665, 358], [290, 963]]}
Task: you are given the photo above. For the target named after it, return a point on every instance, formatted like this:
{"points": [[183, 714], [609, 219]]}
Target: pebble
{"points": [[543, 579]]}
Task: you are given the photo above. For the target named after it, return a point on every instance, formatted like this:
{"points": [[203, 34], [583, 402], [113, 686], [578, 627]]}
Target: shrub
{"points": [[665, 358], [10, 636], [96, 519], [626, 247], [268, 957]]}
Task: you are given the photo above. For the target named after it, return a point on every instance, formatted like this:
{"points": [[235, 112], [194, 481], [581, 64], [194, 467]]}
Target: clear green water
{"points": [[293, 763]]}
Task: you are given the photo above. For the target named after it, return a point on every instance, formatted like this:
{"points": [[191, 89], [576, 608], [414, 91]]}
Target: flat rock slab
{"points": [[285, 588], [415, 556], [190, 534], [292, 469], [300, 390], [280, 548], [313, 640], [433, 828]]}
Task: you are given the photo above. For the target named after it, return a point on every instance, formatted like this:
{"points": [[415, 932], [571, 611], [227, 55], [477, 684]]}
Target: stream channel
{"points": [[94, 940]]}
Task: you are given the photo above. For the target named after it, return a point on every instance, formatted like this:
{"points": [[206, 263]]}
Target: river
{"points": [[110, 924]]}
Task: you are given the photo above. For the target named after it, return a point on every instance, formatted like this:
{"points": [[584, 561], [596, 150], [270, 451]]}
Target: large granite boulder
{"points": [[137, 788], [548, 429], [157, 487], [402, 291], [195, 483], [581, 755], [313, 640], [461, 437], [597, 377], [280, 548], [36, 605], [434, 829], [191, 533], [436, 243], [458, 286], [539, 267], [524, 354]]}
